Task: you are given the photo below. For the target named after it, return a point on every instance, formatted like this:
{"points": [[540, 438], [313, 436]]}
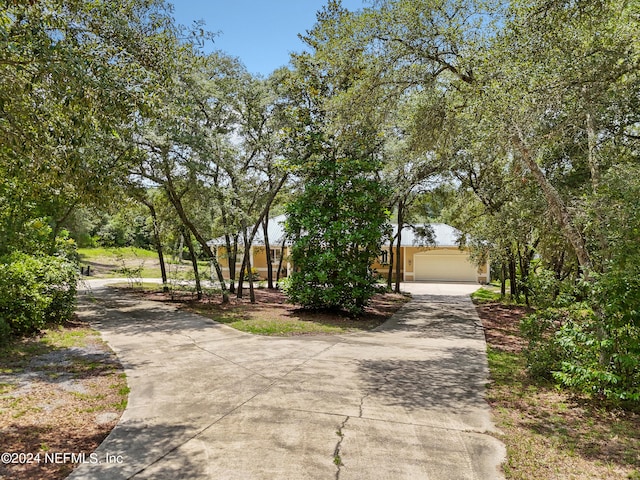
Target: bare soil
{"points": [[502, 325], [56, 400]]}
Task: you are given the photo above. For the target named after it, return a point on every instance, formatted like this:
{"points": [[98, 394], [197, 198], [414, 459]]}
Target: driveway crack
{"points": [[337, 458], [361, 406]]}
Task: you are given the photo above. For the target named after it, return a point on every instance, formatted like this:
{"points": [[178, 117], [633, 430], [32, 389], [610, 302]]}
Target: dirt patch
{"points": [[502, 325], [56, 401]]}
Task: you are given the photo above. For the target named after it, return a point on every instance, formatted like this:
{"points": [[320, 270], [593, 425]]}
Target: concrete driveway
{"points": [[207, 402]]}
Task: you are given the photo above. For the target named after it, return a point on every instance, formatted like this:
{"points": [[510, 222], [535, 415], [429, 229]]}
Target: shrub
{"points": [[5, 332], [60, 278], [546, 290], [543, 354], [36, 290], [595, 353], [603, 349], [252, 276]]}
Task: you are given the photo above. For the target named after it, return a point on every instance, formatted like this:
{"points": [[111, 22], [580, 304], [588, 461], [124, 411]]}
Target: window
{"points": [[275, 255], [383, 258]]}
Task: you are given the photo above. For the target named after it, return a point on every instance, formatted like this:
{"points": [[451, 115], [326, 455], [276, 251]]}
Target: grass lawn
{"points": [[551, 433], [117, 262], [126, 252]]}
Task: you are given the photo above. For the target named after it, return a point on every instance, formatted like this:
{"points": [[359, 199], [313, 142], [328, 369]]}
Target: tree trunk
{"points": [[252, 292], [557, 268], [248, 239], [524, 276], [231, 254], [284, 242], [556, 205], [513, 277], [246, 268], [177, 203], [194, 261], [594, 166], [230, 257], [233, 273], [267, 247], [180, 247], [243, 269], [391, 259], [399, 243], [158, 244], [57, 224]]}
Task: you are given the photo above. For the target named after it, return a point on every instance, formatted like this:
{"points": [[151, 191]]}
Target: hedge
{"points": [[35, 291]]}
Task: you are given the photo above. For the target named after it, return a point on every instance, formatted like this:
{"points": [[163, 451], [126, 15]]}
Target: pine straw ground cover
{"points": [[551, 433], [61, 392]]}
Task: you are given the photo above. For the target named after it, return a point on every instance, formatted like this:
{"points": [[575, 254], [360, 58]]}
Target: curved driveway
{"points": [[207, 402]]}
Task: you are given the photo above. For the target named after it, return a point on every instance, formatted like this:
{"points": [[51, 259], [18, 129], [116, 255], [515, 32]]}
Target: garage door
{"points": [[444, 268]]}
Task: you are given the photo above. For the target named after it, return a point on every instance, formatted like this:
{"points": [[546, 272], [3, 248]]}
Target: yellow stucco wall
{"points": [[222, 257], [406, 266], [383, 270], [259, 257], [258, 262]]}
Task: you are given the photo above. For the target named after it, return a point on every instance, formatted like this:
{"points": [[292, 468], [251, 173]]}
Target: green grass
{"points": [[60, 337], [17, 354], [145, 272], [122, 262], [128, 253], [6, 388], [505, 367], [491, 293], [107, 261], [144, 286], [121, 405], [485, 294], [157, 287], [281, 328], [274, 322]]}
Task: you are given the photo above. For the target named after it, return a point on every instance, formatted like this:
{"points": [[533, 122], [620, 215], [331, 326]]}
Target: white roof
{"points": [[444, 235], [275, 230]]}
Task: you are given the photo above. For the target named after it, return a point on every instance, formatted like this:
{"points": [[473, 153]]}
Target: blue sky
{"points": [[261, 33]]}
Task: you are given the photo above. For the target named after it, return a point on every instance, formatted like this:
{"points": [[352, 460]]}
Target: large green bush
{"points": [[597, 352], [337, 228], [594, 346], [603, 351], [35, 291], [542, 352]]}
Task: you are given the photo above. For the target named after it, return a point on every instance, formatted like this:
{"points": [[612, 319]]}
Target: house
{"points": [[257, 255], [443, 261]]}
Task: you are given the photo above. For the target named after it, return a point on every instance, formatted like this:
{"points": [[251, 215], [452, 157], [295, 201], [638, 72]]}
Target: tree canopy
{"points": [[523, 115]]}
